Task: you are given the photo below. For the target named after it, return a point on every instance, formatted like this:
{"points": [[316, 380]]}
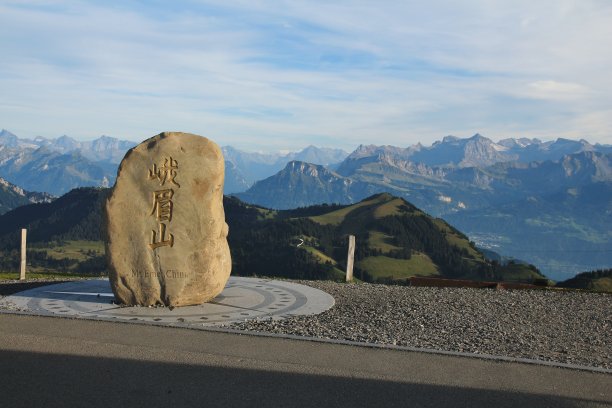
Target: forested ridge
{"points": [[600, 280], [304, 243]]}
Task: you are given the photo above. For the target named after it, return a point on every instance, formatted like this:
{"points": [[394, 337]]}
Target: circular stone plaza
{"points": [[242, 299]]}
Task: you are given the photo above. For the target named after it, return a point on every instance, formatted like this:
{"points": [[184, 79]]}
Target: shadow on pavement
{"points": [[10, 288], [50, 380]]}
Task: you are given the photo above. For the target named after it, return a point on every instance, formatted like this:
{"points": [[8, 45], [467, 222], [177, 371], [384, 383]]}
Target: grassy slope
{"points": [[455, 239], [380, 241], [70, 250], [338, 216], [74, 250], [602, 285], [397, 269], [600, 281], [319, 255], [388, 208], [339, 273], [385, 205]]}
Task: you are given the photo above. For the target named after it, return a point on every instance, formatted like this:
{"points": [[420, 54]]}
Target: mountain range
{"points": [[554, 212], [545, 202], [480, 151], [102, 149], [440, 190], [242, 169], [58, 165]]}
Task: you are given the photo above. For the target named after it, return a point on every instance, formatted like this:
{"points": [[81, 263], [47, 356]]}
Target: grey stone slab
{"points": [[242, 299]]}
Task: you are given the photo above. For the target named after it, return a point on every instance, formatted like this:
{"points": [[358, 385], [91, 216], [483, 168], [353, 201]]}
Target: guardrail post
{"points": [[22, 272], [351, 256]]}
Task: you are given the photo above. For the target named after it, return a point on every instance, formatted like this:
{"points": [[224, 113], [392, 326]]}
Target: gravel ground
{"points": [[567, 327]]}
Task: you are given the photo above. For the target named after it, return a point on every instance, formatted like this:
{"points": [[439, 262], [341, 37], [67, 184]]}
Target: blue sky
{"points": [[277, 75]]}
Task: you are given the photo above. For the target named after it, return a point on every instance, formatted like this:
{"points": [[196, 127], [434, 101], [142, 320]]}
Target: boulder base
{"points": [[166, 233]]}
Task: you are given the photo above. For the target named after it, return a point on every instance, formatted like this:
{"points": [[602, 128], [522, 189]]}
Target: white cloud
{"points": [[554, 90], [287, 75]]}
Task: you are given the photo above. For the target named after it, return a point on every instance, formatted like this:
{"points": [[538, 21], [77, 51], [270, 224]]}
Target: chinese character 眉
{"points": [[162, 201], [162, 205]]}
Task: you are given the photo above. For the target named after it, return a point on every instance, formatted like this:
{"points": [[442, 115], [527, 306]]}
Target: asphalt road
{"points": [[54, 362]]}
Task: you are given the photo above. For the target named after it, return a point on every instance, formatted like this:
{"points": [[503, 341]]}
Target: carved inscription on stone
{"points": [[169, 274], [162, 202], [166, 171], [166, 232]]}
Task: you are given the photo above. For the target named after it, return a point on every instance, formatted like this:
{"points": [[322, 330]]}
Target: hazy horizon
{"points": [[298, 148], [281, 76]]}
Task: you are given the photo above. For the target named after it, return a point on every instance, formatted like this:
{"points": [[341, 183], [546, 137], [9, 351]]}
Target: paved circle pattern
{"points": [[242, 299]]}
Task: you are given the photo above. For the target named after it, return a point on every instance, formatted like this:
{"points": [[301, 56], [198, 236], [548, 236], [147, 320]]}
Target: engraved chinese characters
{"points": [[166, 231], [162, 201]]}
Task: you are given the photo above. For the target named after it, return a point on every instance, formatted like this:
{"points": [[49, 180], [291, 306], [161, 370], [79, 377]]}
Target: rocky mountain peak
{"points": [[312, 170], [65, 144], [319, 155], [8, 139], [449, 139], [363, 151], [481, 151], [519, 143]]}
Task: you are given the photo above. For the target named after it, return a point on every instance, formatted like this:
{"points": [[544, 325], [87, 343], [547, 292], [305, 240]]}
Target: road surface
{"points": [[58, 362]]}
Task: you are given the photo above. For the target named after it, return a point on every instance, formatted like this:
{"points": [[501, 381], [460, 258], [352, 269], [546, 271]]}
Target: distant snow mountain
{"points": [[47, 170], [59, 165], [318, 155], [248, 167], [560, 202], [438, 190], [104, 148], [235, 181], [245, 168], [479, 151], [10, 140], [476, 151]]}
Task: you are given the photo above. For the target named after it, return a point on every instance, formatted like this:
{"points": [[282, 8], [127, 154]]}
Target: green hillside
{"points": [[600, 281], [395, 240], [63, 236]]}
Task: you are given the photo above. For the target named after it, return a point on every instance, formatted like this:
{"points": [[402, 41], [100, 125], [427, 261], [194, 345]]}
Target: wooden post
{"points": [[22, 272], [349, 261]]}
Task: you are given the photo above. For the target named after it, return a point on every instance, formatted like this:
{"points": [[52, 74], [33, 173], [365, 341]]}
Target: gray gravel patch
{"points": [[559, 326], [567, 327]]}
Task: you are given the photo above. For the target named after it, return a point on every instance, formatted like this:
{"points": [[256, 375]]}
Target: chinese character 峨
{"points": [[166, 172]]}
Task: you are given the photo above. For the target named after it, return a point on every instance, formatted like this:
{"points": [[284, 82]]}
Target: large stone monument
{"points": [[165, 225]]}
